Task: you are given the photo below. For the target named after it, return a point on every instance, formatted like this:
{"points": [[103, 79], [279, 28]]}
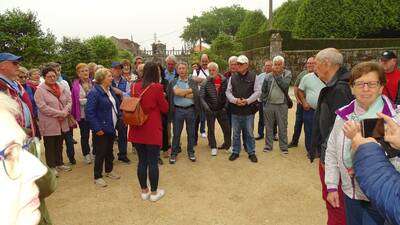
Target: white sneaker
{"points": [[203, 135], [63, 168], [158, 196], [230, 150], [112, 176], [93, 157], [145, 196], [100, 182], [214, 151], [87, 159]]}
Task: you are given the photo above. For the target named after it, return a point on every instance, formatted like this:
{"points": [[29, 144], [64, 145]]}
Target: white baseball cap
{"points": [[242, 59]]}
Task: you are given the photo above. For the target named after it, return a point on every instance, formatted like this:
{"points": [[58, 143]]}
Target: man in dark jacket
{"points": [[213, 100], [336, 94], [244, 88]]}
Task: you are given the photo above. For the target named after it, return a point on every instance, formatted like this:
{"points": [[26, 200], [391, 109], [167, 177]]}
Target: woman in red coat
{"points": [[147, 138]]}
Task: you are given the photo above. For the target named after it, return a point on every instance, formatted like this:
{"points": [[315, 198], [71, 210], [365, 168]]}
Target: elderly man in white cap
{"points": [[244, 88]]}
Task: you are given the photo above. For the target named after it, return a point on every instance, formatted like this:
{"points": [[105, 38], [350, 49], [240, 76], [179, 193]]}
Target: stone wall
{"points": [[295, 60]]}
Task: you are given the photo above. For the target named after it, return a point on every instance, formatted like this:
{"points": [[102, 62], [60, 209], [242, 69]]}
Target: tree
{"points": [[251, 24], [222, 48], [73, 51], [346, 18], [207, 26], [20, 34], [103, 50], [124, 54], [285, 15]]}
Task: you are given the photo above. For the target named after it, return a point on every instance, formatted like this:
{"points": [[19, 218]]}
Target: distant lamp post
{"points": [[270, 15]]}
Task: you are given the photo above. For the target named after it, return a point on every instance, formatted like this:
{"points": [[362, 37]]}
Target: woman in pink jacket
{"points": [[54, 104]]}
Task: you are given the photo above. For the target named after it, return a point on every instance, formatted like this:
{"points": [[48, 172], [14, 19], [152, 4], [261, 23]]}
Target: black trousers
{"points": [[223, 120], [53, 150], [103, 146], [148, 163]]}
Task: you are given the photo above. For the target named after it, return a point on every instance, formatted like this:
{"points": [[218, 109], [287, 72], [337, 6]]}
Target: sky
{"points": [[140, 19]]}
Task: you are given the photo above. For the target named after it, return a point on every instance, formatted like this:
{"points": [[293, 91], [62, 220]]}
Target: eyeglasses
{"points": [[370, 84], [10, 158]]}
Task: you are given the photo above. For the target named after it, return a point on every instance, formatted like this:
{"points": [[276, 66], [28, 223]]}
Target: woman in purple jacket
{"points": [[80, 88]]}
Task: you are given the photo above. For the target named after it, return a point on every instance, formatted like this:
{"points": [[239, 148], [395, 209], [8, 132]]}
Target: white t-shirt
{"points": [[114, 110], [202, 74]]}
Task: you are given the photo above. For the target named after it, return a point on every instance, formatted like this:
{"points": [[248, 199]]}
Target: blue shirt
{"points": [[169, 76], [181, 101]]}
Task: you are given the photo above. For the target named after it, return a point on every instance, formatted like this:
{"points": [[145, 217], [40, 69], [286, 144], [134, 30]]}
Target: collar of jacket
{"points": [[340, 75], [345, 111]]}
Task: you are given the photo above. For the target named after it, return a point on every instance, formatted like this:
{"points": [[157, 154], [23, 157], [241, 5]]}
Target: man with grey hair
{"points": [[170, 70], [244, 88], [274, 97], [336, 93]]}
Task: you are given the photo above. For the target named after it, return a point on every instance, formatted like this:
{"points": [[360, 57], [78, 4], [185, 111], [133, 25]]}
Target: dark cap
{"points": [[5, 56], [116, 64], [388, 55]]}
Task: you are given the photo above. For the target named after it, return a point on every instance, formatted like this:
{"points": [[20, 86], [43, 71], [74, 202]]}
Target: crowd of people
{"points": [[331, 103]]}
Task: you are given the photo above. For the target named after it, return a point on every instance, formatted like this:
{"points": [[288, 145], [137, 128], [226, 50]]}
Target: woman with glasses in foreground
{"points": [[18, 172], [367, 82]]}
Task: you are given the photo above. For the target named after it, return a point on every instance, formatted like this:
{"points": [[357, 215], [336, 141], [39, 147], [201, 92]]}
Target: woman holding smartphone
{"points": [[367, 81]]}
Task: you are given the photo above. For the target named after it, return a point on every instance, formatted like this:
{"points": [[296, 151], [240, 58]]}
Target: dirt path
{"points": [[275, 191]]}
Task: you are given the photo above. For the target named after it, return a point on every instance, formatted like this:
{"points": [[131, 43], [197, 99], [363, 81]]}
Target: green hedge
{"points": [[260, 40], [321, 43]]}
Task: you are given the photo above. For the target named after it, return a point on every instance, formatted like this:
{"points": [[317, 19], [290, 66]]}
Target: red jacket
{"points": [[392, 81], [153, 104]]}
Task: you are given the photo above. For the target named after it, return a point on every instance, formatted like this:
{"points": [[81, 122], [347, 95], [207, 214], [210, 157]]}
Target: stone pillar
{"points": [[275, 45]]}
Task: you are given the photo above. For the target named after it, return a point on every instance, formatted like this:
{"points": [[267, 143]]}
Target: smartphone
{"points": [[374, 128]]}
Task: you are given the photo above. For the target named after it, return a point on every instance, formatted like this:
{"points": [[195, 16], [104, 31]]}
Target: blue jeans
{"points": [[308, 119], [84, 129], [361, 213], [181, 116], [122, 138], [298, 124], [243, 124], [69, 142]]}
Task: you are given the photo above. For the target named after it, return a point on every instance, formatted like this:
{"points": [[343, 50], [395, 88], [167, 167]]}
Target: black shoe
{"points": [[75, 142], [253, 158], [233, 157], [160, 161], [259, 138], [292, 145], [172, 159], [224, 146], [276, 138], [179, 149], [72, 162], [125, 160]]}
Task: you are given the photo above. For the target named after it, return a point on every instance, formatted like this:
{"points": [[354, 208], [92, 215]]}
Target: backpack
{"points": [[132, 112]]}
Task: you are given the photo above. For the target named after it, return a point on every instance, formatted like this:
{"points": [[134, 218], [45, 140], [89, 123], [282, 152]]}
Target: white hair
{"points": [[170, 57], [212, 65], [278, 58], [232, 59], [332, 55]]}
